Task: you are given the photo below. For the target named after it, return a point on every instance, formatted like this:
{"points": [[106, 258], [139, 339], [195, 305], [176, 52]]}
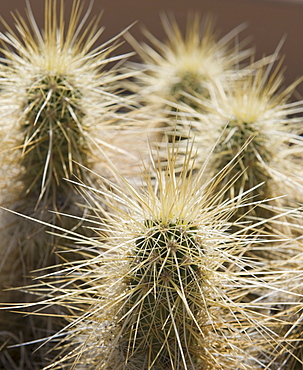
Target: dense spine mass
{"points": [[162, 267], [54, 135]]}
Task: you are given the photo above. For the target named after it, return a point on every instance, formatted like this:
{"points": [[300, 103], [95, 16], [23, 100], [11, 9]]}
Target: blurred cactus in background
{"points": [[230, 106], [170, 73], [256, 121], [186, 64], [196, 266]]}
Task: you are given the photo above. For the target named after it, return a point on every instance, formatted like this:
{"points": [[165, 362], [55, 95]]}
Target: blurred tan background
{"points": [[268, 21]]}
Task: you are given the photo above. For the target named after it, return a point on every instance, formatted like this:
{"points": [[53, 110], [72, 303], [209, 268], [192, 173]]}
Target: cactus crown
{"points": [[186, 63]]}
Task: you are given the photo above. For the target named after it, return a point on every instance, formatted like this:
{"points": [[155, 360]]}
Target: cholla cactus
{"points": [[256, 113], [185, 64], [255, 120], [168, 281], [57, 92], [56, 99], [171, 288]]}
